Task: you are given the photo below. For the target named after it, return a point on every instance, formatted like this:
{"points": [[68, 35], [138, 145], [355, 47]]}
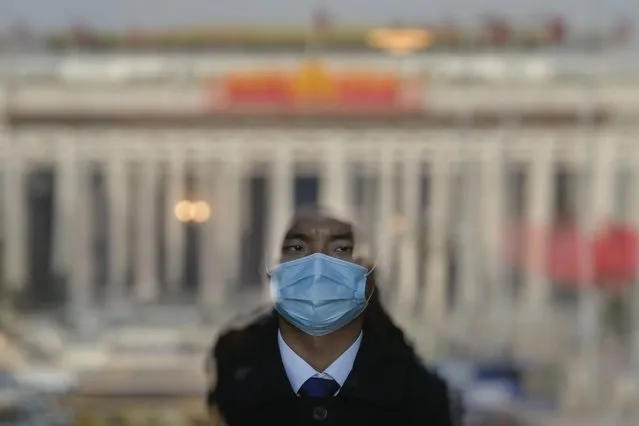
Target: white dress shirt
{"points": [[299, 371]]}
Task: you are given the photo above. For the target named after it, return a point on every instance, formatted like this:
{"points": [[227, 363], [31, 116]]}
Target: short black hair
{"points": [[316, 211]]}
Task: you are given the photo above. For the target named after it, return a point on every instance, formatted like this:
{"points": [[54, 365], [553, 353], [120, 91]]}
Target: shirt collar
{"points": [[299, 371]]}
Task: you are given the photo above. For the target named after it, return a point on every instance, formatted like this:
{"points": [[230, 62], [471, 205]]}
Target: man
{"points": [[328, 353]]}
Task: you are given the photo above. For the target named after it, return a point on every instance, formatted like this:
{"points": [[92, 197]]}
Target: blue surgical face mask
{"points": [[319, 294]]}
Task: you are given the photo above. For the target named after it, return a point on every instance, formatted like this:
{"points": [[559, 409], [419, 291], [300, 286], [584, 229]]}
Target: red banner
{"points": [[315, 87]]}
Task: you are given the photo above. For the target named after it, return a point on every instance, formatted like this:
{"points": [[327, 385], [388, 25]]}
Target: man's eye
{"points": [[293, 248], [344, 249]]}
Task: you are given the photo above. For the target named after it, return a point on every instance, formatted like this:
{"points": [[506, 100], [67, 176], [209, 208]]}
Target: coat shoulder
{"points": [[232, 345], [424, 384], [425, 380], [241, 332]]}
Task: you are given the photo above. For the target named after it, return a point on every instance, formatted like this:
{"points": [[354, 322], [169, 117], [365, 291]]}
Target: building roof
{"points": [[330, 38], [483, 118]]}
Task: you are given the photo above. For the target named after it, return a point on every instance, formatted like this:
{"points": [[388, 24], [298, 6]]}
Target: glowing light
{"points": [[200, 212], [189, 211], [183, 211], [399, 40]]}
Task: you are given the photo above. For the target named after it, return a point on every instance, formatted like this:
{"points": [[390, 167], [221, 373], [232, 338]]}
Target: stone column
{"points": [[212, 279], [385, 213], [635, 291], [491, 200], [223, 188], [469, 282], [434, 305], [146, 280], [602, 190], [597, 192], [14, 223], [231, 190], [409, 228], [336, 184], [80, 284], [492, 297], [541, 181], [281, 187], [66, 199], [117, 189], [280, 201], [633, 206], [174, 229], [368, 208], [634, 344]]}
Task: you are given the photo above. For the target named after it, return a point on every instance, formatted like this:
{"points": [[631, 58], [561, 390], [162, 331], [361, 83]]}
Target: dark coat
{"points": [[387, 386]]}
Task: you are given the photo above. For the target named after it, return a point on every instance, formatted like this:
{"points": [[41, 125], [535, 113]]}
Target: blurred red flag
{"points": [[81, 32], [321, 22], [613, 253], [623, 29], [20, 33], [557, 29], [498, 30], [565, 253], [615, 256]]}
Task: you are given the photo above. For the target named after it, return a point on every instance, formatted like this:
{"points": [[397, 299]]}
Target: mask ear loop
{"points": [[372, 269], [264, 267], [368, 299]]}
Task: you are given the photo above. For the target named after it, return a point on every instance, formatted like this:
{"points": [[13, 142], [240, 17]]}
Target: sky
{"points": [[116, 14]]}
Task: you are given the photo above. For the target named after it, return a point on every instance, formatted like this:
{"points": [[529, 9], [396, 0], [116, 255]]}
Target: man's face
{"points": [[319, 233], [312, 234]]}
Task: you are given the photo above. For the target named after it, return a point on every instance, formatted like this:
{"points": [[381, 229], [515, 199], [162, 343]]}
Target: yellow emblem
{"points": [[313, 83]]}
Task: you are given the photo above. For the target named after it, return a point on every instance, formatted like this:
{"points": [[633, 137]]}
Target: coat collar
{"points": [[378, 374]]}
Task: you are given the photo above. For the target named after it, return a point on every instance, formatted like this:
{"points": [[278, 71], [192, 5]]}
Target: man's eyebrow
{"points": [[295, 235], [343, 236]]}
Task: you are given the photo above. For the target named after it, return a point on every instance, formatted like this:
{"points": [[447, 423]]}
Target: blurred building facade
{"points": [[129, 188]]}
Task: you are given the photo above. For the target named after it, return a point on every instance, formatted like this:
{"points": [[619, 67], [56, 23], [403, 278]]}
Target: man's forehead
{"points": [[318, 223]]}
